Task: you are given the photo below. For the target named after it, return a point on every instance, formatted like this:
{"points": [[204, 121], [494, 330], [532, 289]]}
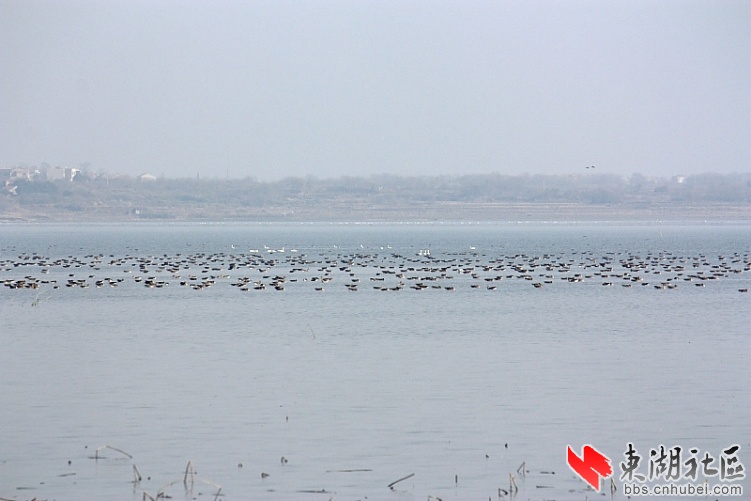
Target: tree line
{"points": [[170, 196]]}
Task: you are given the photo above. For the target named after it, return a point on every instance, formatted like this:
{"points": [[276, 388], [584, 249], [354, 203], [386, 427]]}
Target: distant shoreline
{"points": [[600, 197], [428, 212]]}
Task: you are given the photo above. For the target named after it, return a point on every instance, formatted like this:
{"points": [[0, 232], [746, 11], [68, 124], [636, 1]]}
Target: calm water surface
{"points": [[358, 389]]}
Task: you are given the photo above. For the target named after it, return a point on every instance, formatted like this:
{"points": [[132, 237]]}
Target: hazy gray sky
{"points": [[328, 88]]}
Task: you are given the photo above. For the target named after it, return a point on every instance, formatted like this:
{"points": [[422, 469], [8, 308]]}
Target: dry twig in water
{"points": [[96, 453], [189, 468], [136, 475], [512, 484], [392, 484]]}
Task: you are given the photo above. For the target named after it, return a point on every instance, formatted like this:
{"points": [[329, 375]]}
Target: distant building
{"points": [[71, 173], [56, 174], [147, 177], [21, 174], [62, 174], [679, 179]]}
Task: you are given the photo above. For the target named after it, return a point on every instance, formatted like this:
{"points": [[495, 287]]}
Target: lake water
{"points": [[500, 345]]}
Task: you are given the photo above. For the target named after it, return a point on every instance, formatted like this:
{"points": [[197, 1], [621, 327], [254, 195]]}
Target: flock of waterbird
{"points": [[381, 269]]}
